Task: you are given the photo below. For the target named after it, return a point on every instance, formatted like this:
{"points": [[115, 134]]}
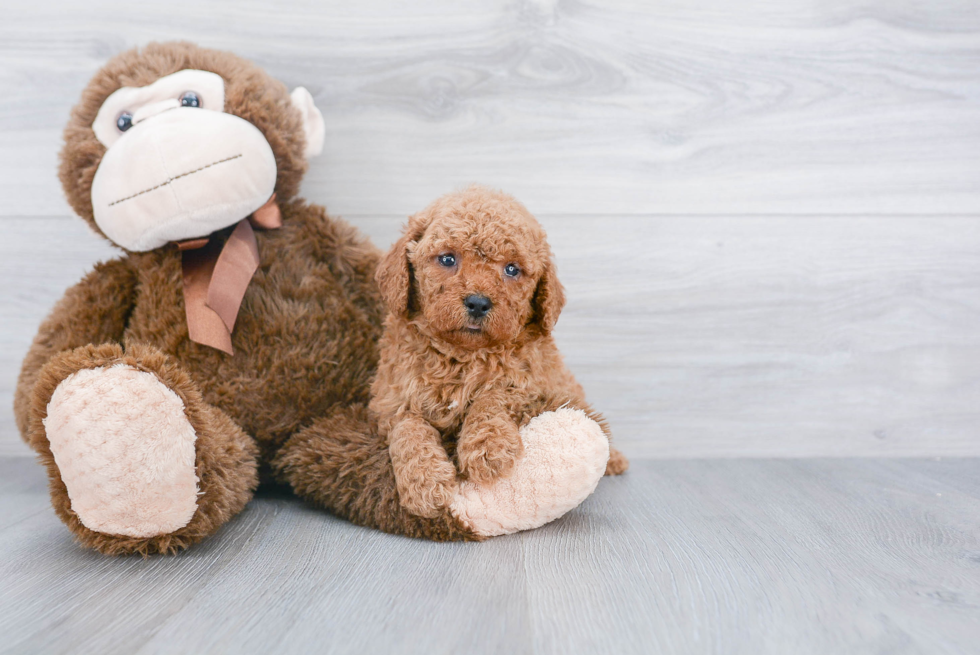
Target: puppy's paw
{"points": [[617, 463], [426, 488], [489, 451]]}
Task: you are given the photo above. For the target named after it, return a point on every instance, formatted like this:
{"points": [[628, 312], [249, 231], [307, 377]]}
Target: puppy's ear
{"points": [[549, 298], [394, 274]]}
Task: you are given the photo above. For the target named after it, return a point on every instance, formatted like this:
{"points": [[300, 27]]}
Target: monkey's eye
{"points": [[448, 260], [190, 99], [125, 121], [511, 270]]}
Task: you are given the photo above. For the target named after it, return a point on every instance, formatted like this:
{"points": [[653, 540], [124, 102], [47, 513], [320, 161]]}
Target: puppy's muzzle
{"points": [[477, 306]]}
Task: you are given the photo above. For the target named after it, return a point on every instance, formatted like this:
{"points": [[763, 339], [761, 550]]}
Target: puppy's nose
{"points": [[477, 306]]}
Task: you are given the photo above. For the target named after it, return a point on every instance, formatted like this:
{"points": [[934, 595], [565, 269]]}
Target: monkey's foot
{"points": [[125, 451], [565, 456], [138, 462]]}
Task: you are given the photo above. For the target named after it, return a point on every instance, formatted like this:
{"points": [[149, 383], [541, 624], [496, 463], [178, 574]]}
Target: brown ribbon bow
{"points": [[216, 276]]}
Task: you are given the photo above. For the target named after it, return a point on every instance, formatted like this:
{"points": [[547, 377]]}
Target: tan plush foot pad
{"points": [[565, 455], [125, 451]]}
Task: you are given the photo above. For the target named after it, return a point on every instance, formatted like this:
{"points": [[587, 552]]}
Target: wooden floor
{"points": [[767, 219], [685, 556]]}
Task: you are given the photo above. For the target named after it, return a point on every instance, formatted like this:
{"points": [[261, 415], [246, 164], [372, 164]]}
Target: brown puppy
{"points": [[467, 356]]}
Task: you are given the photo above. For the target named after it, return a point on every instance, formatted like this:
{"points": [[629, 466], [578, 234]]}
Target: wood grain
{"points": [[702, 336], [710, 556], [576, 107], [765, 213], [766, 218]]}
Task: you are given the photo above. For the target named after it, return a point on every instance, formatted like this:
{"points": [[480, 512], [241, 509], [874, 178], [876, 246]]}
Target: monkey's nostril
{"points": [[477, 306]]}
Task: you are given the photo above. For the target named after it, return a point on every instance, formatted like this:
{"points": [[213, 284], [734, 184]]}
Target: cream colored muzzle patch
{"points": [[181, 174]]}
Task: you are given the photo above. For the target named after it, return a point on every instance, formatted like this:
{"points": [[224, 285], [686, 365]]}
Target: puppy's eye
{"points": [[448, 260], [124, 122], [511, 270], [190, 99]]}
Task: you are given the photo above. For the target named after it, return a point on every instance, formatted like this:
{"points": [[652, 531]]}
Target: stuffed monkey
{"points": [[238, 326]]}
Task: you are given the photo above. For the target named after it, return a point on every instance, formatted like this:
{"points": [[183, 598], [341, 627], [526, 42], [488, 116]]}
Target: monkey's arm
{"points": [[94, 311]]}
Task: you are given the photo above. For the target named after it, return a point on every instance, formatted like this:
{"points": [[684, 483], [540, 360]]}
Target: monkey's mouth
{"points": [[171, 180], [208, 171]]}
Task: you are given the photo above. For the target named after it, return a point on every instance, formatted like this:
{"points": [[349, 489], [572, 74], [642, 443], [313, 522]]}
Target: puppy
{"points": [[467, 356]]}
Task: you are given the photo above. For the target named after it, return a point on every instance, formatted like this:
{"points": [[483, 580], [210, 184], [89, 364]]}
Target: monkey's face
{"points": [[184, 155]]}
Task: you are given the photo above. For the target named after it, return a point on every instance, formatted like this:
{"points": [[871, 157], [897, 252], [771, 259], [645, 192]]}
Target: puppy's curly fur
{"points": [[458, 381]]}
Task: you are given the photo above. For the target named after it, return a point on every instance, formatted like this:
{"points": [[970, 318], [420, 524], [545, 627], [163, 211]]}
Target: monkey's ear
{"points": [[394, 274], [313, 127], [549, 298]]}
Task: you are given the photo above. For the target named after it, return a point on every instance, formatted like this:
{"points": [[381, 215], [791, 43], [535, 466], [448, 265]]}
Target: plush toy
{"points": [[237, 329]]}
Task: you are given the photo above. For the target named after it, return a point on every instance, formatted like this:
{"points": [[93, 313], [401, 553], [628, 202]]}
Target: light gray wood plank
{"points": [[23, 491], [842, 339], [11, 444], [627, 107], [405, 590], [766, 336], [823, 563], [701, 336], [952, 472], [700, 556], [40, 257]]}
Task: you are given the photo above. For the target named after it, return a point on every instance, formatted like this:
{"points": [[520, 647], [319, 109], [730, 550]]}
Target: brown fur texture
{"points": [[342, 464], [305, 340], [450, 384], [225, 454]]}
